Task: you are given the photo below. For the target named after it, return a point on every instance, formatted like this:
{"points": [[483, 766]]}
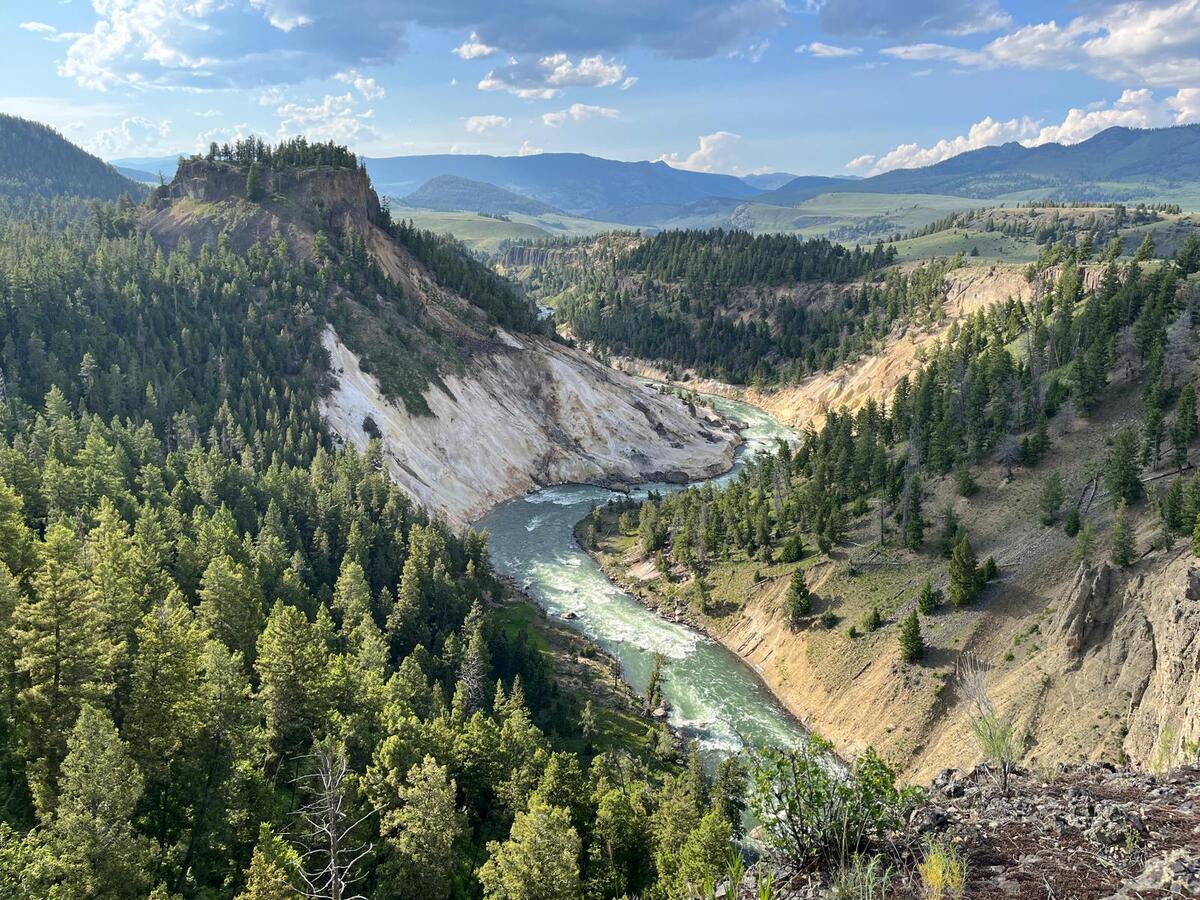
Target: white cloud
{"points": [[578, 112], [222, 134], [333, 119], [481, 124], [208, 114], [272, 96], [134, 134], [828, 51], [710, 156], [1149, 42], [365, 86], [545, 77], [1133, 109], [527, 149], [38, 28], [473, 48]]}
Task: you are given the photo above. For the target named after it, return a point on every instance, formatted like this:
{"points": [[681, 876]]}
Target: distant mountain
{"points": [[804, 188], [1116, 164], [139, 175], [37, 161], [574, 182], [452, 193], [155, 165], [768, 181]]}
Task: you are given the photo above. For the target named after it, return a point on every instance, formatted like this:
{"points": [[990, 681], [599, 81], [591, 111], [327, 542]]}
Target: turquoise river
{"points": [[714, 697]]}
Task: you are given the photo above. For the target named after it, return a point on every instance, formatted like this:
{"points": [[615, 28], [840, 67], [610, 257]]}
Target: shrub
{"points": [[990, 569], [815, 814], [944, 872], [1071, 526], [829, 619], [873, 621], [370, 427], [792, 550]]}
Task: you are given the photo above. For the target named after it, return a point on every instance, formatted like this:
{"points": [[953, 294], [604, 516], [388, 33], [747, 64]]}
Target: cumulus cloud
{"points": [[335, 118], [368, 87], [578, 112], [545, 77], [887, 18], [480, 124], [711, 155], [135, 134], [828, 51], [473, 48], [1133, 109], [207, 44], [527, 149], [1149, 42]]}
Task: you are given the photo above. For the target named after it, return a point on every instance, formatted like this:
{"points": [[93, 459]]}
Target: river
{"points": [[715, 698]]}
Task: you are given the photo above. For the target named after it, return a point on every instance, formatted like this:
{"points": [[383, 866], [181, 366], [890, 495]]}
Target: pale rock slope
{"points": [[531, 412]]}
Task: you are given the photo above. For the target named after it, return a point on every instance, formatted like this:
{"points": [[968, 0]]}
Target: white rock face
{"points": [[532, 414]]}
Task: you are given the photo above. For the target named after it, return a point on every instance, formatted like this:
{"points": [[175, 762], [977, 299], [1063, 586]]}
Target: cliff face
{"points": [[530, 413], [508, 411]]}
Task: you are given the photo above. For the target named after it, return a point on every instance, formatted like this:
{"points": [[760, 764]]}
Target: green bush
{"points": [[815, 814]]}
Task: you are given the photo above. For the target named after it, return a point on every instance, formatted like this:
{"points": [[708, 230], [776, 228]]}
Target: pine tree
{"points": [[964, 574], [928, 599], [798, 603], [914, 521], [292, 666], [540, 859], [475, 674], [703, 857], [421, 834], [1121, 475], [231, 606], [1121, 549], [92, 833], [1052, 498], [63, 656], [272, 868], [1145, 250], [254, 182], [912, 644], [1085, 543], [1071, 525]]}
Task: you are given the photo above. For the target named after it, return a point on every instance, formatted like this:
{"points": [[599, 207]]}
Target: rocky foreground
{"points": [[1089, 832]]}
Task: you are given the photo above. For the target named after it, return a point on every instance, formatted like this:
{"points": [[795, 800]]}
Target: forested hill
{"points": [[740, 307], [37, 161], [412, 304]]}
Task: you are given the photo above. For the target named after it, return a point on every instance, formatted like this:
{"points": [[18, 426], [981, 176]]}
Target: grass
{"points": [[485, 234]]}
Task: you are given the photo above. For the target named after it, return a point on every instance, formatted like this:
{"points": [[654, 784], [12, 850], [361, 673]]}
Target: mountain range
{"points": [[1119, 164]]}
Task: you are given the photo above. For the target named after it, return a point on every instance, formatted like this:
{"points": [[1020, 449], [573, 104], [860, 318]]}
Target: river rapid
{"points": [[715, 698]]}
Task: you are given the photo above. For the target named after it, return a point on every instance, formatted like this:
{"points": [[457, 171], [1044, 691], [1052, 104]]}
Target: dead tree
{"points": [[326, 825]]}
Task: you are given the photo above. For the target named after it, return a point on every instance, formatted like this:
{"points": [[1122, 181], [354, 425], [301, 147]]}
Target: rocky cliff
{"points": [[488, 412], [530, 413]]}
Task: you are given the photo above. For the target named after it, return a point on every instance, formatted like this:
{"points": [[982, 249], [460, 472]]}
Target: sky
{"points": [[739, 86]]}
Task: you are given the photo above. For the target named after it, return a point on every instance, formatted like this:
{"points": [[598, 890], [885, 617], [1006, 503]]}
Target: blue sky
{"points": [[741, 86]]}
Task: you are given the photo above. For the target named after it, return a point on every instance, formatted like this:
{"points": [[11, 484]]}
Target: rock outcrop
{"points": [[533, 412]]}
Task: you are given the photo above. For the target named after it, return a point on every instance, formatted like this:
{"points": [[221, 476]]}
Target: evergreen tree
{"points": [[254, 182], [231, 606], [271, 872], [798, 604], [92, 833], [912, 644], [1121, 550], [703, 857], [63, 657], [421, 834], [1085, 543], [539, 861], [1052, 498], [1145, 250], [1121, 475], [928, 599], [914, 521], [965, 580], [1071, 525]]}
